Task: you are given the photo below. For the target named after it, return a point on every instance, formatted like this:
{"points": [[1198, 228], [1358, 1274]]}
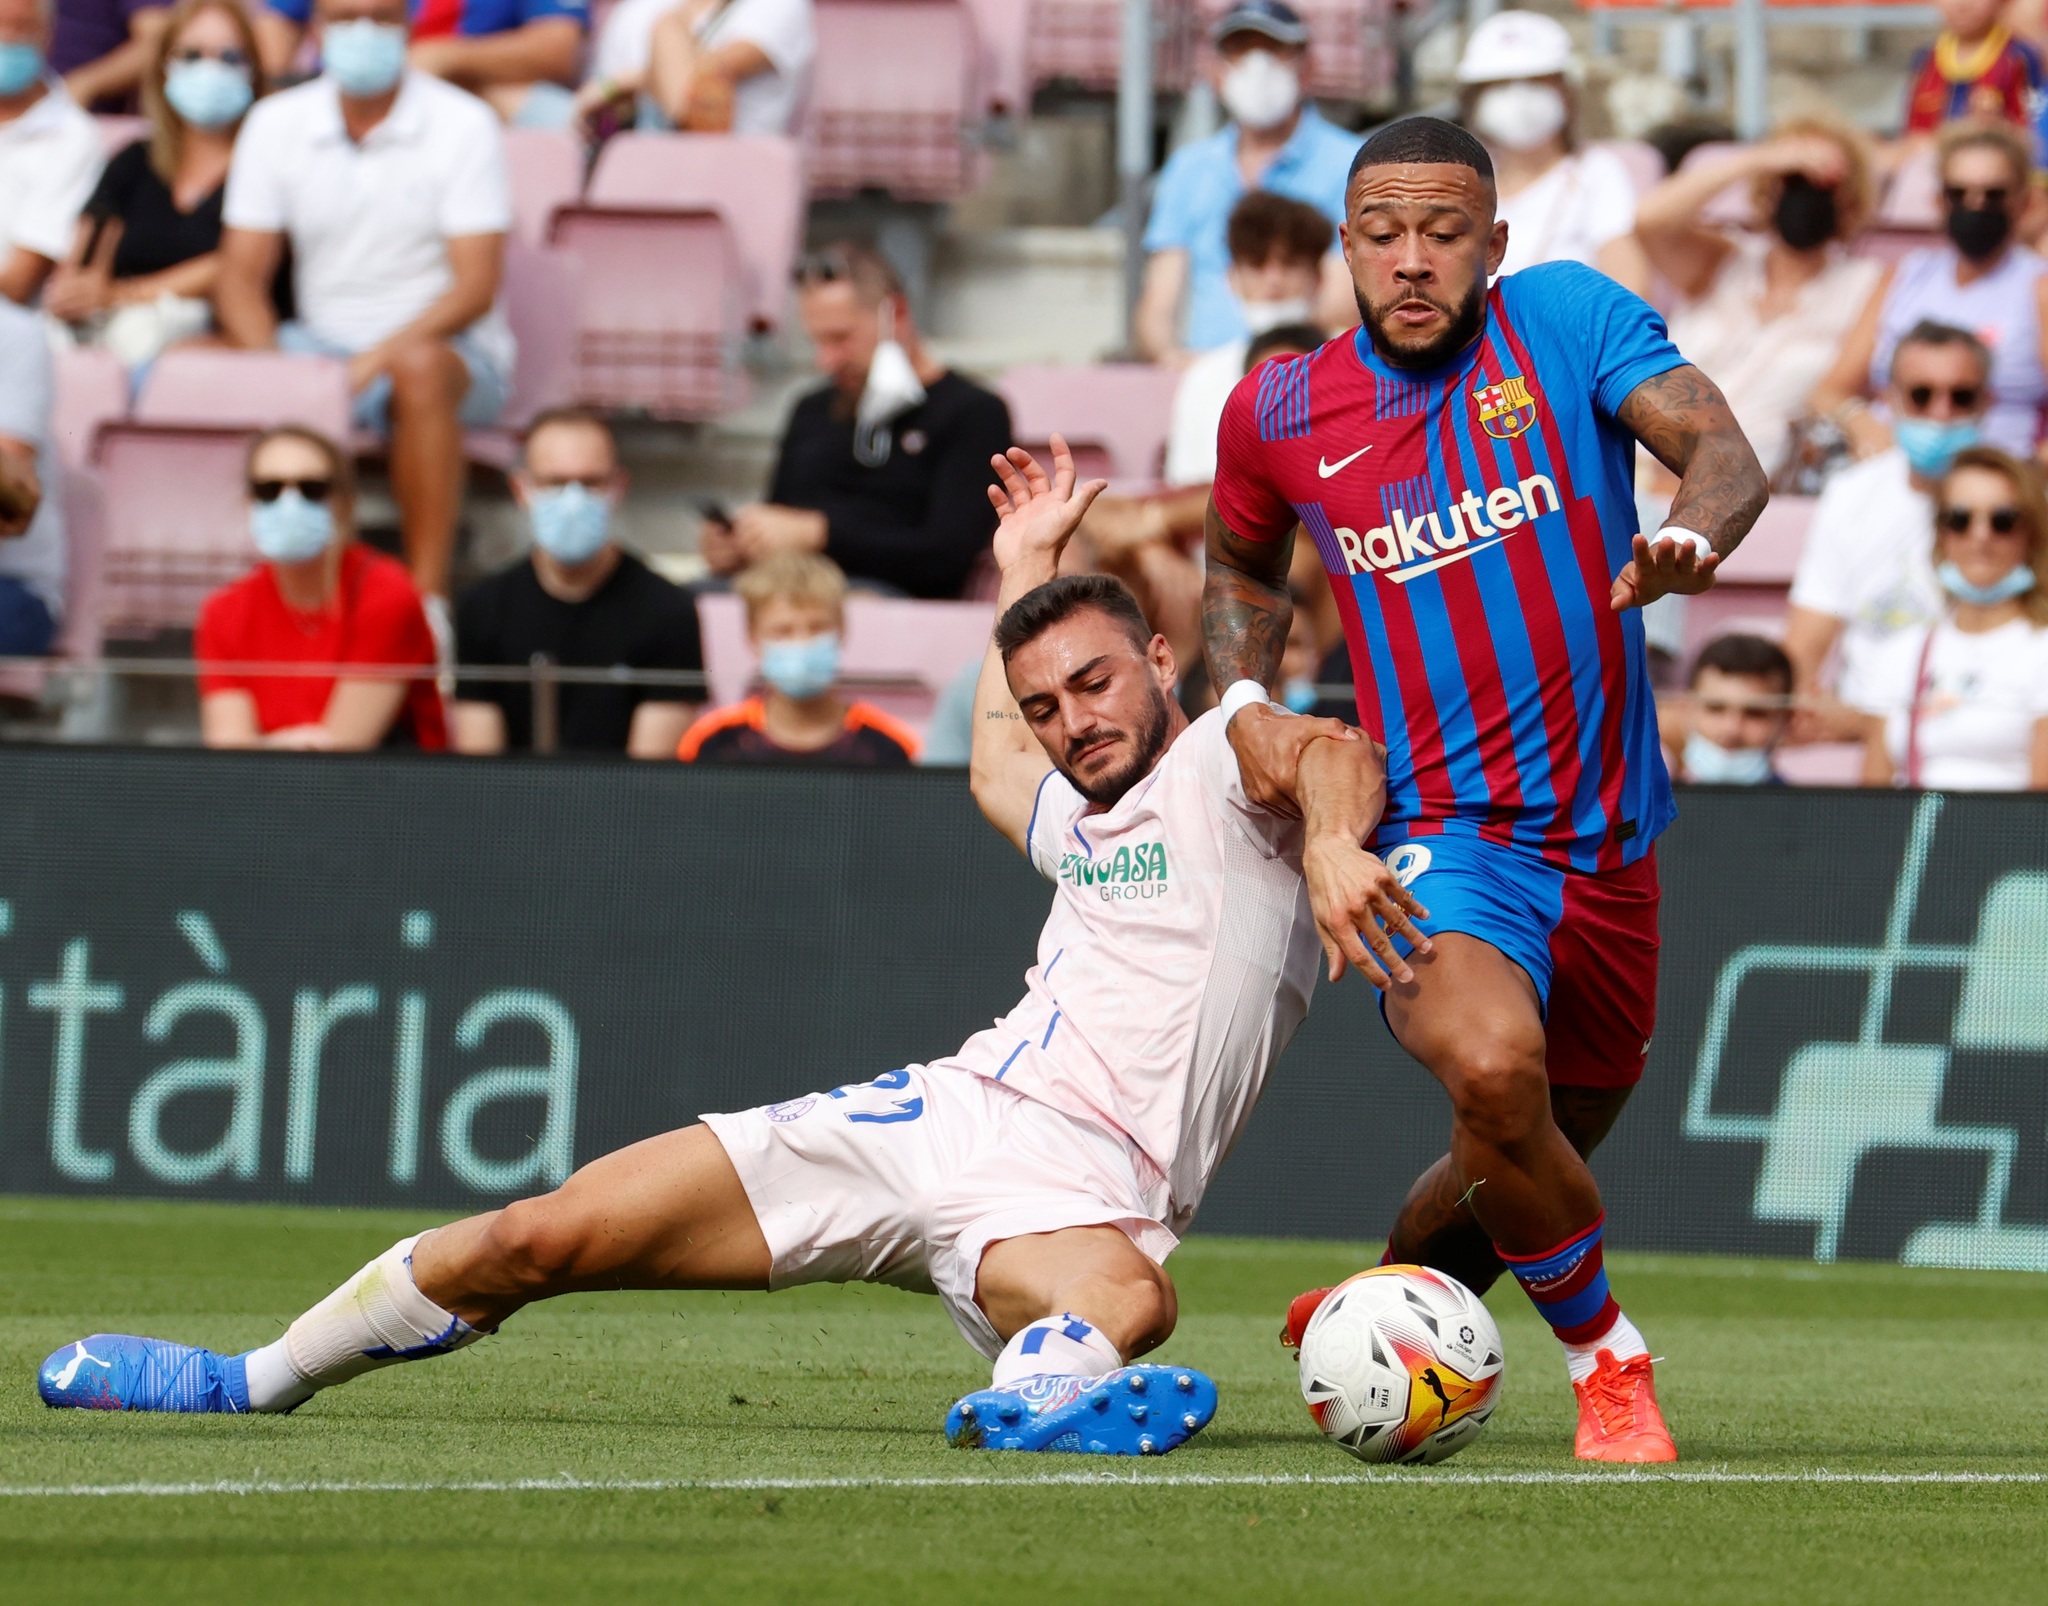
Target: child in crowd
{"points": [[1739, 706], [796, 615], [1975, 68]]}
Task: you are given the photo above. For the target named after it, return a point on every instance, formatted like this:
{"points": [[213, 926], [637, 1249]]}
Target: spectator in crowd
{"points": [[1274, 141], [1559, 201], [1765, 313], [1961, 704], [32, 556], [318, 597], [50, 154], [884, 468], [511, 52], [146, 254], [1738, 708], [710, 66], [1865, 574], [796, 614], [578, 600], [101, 48], [1975, 68], [1982, 280], [391, 187]]}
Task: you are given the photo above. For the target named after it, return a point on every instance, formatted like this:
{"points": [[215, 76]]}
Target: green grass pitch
{"points": [[793, 1443]]}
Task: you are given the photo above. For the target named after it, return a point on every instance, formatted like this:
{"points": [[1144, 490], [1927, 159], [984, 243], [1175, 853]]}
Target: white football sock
{"points": [[377, 1318], [1055, 1346], [1621, 1339]]}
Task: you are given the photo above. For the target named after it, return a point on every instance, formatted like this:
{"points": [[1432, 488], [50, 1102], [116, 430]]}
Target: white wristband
{"points": [[1684, 537], [1242, 694]]}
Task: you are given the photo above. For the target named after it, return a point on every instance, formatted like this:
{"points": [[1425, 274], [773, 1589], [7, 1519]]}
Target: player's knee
{"points": [[427, 371], [1499, 1091], [534, 1244]]}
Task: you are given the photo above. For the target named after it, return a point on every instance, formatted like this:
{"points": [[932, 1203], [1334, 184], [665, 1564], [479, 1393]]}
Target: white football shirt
{"points": [[1175, 966]]}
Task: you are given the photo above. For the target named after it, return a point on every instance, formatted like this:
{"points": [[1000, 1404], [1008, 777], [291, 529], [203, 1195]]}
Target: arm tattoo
{"points": [[1245, 606], [1685, 421]]}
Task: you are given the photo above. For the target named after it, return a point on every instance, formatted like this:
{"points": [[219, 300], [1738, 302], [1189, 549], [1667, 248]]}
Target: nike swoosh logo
{"points": [[63, 1378], [1401, 577], [1325, 468]]}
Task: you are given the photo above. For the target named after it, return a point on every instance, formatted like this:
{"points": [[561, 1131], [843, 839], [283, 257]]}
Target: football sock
{"points": [[1621, 1340], [1055, 1346], [377, 1318], [1568, 1287]]}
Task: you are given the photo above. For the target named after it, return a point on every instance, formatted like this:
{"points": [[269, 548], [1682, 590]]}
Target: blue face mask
{"points": [[570, 522], [801, 669], [207, 93], [21, 66], [1715, 765], [2015, 582], [1298, 696], [365, 58], [291, 529], [1931, 445]]}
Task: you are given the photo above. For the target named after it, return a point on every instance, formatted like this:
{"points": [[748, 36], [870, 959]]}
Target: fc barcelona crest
{"points": [[1506, 409]]}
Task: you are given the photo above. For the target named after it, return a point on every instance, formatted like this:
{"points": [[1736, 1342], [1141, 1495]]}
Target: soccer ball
{"points": [[1401, 1363]]}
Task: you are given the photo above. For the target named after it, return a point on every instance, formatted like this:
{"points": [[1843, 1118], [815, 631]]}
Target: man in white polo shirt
{"points": [[50, 153], [391, 187]]}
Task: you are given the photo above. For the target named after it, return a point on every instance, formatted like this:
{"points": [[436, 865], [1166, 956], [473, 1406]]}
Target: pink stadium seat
{"points": [[1912, 200], [1081, 41], [246, 390], [1822, 764], [756, 183], [662, 310], [1004, 27], [1750, 595], [1884, 244], [899, 654], [893, 99], [92, 389], [118, 133], [540, 294], [1351, 46], [546, 167], [1645, 166], [1123, 409]]}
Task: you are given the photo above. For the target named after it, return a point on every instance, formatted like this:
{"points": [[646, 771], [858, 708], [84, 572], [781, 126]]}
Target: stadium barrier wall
{"points": [[434, 984]]}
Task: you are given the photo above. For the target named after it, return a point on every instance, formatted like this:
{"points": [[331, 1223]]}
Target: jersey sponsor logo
{"points": [[1137, 870], [1410, 547], [789, 1109], [1505, 409], [1325, 468]]}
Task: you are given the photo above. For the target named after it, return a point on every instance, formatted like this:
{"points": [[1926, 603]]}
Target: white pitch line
{"points": [[1058, 1480]]}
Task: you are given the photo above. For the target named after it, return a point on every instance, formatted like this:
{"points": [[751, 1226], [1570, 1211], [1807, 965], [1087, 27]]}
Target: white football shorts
{"points": [[909, 1178]]}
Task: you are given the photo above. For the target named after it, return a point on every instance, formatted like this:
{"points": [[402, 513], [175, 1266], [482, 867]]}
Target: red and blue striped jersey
{"points": [[1472, 519]]}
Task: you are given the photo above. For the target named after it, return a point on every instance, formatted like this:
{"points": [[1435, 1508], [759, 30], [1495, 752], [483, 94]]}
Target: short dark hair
{"points": [[1264, 225], [1421, 139], [575, 417], [1933, 332], [1753, 656], [1037, 611], [1297, 338], [850, 262]]}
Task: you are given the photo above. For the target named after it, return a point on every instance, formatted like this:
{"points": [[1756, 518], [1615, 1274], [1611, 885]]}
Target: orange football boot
{"points": [[1618, 1415], [1300, 1310]]}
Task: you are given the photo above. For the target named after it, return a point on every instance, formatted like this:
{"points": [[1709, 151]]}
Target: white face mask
{"points": [[1520, 115], [1259, 316], [892, 389], [1714, 765], [1261, 91]]}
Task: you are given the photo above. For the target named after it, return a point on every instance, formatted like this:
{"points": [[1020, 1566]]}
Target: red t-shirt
{"points": [[374, 618]]}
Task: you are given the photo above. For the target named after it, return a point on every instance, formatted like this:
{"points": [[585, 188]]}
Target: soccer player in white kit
{"points": [[1036, 1180]]}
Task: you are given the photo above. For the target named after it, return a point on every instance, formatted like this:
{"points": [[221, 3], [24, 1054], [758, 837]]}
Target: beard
{"points": [[1108, 788], [1465, 320]]}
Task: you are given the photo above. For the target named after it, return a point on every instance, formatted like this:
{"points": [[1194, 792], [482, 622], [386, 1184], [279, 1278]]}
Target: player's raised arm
{"points": [[1685, 421], [1039, 515]]}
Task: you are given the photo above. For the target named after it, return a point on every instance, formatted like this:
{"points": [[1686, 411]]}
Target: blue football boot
{"points": [[1135, 1410], [113, 1372]]}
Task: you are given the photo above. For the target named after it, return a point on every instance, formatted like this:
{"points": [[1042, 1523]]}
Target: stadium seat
{"points": [[546, 168], [1081, 42], [1645, 166], [1004, 28], [893, 99], [91, 390], [1750, 592], [1123, 410], [899, 654], [661, 312], [540, 293], [756, 183], [1350, 51]]}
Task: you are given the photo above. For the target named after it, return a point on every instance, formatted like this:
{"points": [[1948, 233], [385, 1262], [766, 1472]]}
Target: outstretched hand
{"points": [[1357, 902], [1038, 514], [1659, 569]]}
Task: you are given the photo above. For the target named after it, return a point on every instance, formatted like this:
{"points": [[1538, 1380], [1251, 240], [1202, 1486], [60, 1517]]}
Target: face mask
{"points": [[1259, 316], [1931, 445], [892, 389], [1299, 695], [1519, 116], [801, 669], [208, 93], [21, 66], [365, 58], [1978, 231], [570, 522], [1715, 765], [291, 529], [1261, 91], [1805, 216], [2015, 582]]}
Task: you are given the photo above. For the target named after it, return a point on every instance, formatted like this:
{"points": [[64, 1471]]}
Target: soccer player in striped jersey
{"points": [[1462, 463]]}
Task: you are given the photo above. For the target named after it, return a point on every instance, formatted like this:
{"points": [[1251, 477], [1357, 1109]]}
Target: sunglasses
{"points": [[1956, 194], [1959, 520], [1962, 397], [311, 490], [230, 57]]}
